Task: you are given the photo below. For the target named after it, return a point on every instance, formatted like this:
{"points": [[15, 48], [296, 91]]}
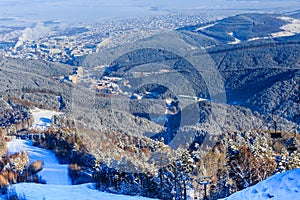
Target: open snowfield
{"points": [[290, 29], [42, 118], [282, 186], [77, 192]]}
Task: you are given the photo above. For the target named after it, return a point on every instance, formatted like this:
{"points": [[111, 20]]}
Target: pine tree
{"points": [[293, 161], [246, 169], [185, 165]]}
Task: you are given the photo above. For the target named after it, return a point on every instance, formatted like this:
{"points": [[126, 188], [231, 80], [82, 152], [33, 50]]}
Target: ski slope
{"points": [[278, 187], [53, 172], [58, 185], [34, 191]]}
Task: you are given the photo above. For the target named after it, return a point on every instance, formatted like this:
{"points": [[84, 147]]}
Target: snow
{"points": [[53, 172], [42, 118], [34, 191], [258, 38], [236, 41], [58, 185], [280, 186], [290, 29], [205, 27]]}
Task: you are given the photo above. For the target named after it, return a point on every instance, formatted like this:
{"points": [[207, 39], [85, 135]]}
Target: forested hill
{"points": [[258, 56], [254, 56], [215, 93]]}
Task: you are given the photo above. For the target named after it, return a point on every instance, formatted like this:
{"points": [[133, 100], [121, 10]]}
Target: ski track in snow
{"points": [[53, 172]]}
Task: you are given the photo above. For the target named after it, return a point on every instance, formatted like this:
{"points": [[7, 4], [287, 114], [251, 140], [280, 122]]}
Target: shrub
{"points": [[35, 167]]}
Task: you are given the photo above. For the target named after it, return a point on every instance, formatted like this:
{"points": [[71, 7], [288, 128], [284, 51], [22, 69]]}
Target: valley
{"points": [[182, 104]]}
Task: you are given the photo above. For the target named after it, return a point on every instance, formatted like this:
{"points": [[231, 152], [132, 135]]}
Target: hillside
{"points": [[279, 186], [216, 102], [260, 72], [246, 66], [56, 176], [30, 73]]}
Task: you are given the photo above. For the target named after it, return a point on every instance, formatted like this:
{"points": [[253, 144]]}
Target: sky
{"points": [[95, 10]]}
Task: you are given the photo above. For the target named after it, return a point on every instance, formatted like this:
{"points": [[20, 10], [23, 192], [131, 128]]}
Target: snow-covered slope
{"points": [[53, 172], [278, 187], [58, 185], [34, 191]]}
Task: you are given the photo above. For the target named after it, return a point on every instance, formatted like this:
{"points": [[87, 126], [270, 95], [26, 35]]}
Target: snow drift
{"points": [[280, 186]]}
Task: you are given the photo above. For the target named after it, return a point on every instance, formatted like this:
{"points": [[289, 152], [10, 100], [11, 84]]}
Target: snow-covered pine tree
{"points": [[185, 165], [293, 161]]}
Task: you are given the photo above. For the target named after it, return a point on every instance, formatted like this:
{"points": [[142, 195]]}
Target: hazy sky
{"points": [[93, 10]]}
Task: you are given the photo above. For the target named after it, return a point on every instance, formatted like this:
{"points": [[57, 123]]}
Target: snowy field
{"points": [[77, 192], [282, 186], [290, 29], [42, 118]]}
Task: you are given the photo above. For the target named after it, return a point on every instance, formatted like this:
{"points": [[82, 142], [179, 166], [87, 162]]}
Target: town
{"points": [[56, 43]]}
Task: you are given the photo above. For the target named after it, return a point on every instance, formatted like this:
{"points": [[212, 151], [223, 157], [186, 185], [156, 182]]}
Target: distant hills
{"points": [[219, 61], [261, 71], [242, 56], [242, 27]]}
